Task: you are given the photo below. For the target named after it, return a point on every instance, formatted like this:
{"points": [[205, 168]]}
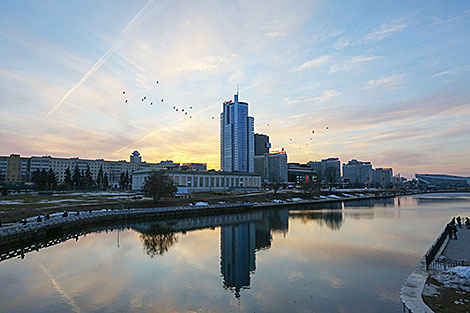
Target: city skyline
{"points": [[387, 84]]}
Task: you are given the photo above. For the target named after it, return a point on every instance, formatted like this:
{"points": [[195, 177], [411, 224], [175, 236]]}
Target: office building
{"points": [[272, 167], [277, 167], [261, 167], [237, 139], [300, 173], [322, 168], [262, 144]]}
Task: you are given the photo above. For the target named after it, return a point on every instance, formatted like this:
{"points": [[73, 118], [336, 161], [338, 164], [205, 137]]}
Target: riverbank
{"points": [[59, 222], [14, 208], [440, 281]]}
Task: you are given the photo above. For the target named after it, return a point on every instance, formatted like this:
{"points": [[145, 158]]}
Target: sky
{"points": [[380, 81]]}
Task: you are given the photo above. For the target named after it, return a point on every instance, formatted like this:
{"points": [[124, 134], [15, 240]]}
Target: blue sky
{"points": [[388, 78]]}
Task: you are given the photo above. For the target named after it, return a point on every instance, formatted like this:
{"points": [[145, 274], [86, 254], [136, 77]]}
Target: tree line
{"points": [[77, 180]]}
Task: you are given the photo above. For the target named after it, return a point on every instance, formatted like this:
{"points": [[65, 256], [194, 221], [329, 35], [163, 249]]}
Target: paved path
{"points": [[459, 250]]}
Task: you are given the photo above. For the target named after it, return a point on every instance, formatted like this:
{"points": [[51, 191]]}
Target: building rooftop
{"points": [[144, 171]]}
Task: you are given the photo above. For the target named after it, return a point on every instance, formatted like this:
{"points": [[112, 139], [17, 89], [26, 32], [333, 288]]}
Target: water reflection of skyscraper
{"points": [[237, 251], [238, 244]]}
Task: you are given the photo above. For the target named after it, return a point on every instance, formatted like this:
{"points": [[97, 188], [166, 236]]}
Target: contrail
{"points": [[138, 140], [101, 60]]}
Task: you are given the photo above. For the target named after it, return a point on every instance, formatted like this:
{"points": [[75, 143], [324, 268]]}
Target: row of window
{"points": [[204, 181]]}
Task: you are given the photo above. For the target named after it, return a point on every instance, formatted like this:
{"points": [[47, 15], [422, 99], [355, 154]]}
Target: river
{"points": [[337, 257]]}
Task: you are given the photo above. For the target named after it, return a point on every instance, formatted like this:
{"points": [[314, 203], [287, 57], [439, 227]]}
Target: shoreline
{"points": [[34, 231]]}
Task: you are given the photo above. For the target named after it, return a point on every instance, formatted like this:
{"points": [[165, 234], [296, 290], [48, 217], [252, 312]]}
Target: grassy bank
{"points": [[15, 207]]}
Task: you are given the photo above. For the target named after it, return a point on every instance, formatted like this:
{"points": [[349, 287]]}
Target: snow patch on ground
{"points": [[11, 202], [295, 199], [456, 277], [200, 203], [334, 197], [277, 201], [62, 200], [462, 271]]}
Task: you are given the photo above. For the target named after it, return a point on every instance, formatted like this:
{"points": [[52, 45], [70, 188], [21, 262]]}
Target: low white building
{"points": [[203, 181]]}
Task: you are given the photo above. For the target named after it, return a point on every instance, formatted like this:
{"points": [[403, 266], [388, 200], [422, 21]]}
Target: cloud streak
{"points": [[313, 63], [384, 31], [353, 63], [387, 83]]}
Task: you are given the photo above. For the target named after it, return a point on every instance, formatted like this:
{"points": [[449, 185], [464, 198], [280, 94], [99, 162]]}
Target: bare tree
{"points": [[331, 176], [159, 185]]}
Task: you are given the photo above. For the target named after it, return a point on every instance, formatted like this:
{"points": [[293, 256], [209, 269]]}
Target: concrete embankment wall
{"points": [[59, 225], [412, 289]]}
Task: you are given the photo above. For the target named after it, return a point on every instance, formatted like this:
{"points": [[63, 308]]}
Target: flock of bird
{"points": [[182, 110], [161, 100]]}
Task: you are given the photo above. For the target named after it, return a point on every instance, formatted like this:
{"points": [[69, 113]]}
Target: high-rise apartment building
{"points": [[357, 173], [237, 140]]}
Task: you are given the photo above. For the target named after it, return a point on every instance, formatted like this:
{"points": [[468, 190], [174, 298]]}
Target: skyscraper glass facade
{"points": [[236, 137]]}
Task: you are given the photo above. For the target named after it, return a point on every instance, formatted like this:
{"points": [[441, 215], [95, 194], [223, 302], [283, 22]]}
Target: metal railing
{"points": [[446, 264], [436, 246]]}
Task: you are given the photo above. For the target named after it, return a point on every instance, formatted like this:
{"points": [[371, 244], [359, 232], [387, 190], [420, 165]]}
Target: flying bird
{"points": [[313, 131], [190, 108], [161, 100], [151, 103], [326, 127], [290, 139], [185, 113], [182, 110], [157, 81], [190, 117], [174, 108], [124, 92], [212, 117], [267, 124], [125, 101]]}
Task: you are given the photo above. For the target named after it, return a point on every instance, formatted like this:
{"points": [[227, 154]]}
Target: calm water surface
{"points": [[342, 257]]}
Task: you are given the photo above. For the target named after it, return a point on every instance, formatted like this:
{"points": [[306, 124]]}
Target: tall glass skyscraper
{"points": [[237, 140]]}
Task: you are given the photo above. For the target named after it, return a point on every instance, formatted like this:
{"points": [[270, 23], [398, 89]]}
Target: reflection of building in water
{"points": [[237, 248], [331, 218], [238, 244], [370, 202]]}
